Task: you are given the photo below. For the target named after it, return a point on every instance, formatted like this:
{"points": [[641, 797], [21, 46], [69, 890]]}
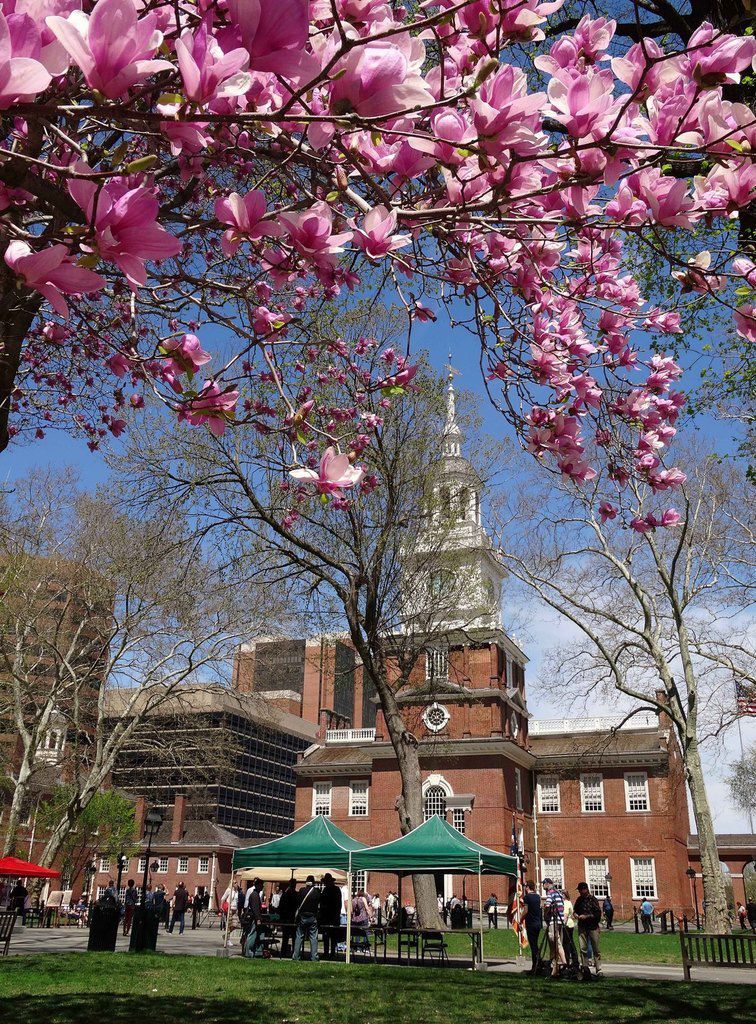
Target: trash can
{"points": [[144, 930], [103, 928]]}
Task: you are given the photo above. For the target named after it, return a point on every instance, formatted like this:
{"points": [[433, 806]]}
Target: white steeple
{"points": [[452, 434]]}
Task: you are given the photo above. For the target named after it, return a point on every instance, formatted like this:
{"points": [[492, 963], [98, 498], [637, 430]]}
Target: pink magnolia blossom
{"points": [[207, 71], [591, 39], [212, 407], [274, 33], [52, 272], [607, 511], [666, 479], [185, 354], [583, 103], [381, 78], [745, 321], [375, 237], [521, 19], [311, 234], [715, 58], [21, 76], [333, 476], [670, 517], [119, 364], [112, 46], [125, 225], [641, 525], [245, 217]]}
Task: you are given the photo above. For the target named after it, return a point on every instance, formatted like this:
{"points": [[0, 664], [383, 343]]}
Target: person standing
{"points": [[742, 915], [588, 914], [275, 900], [533, 923], [179, 905], [554, 919], [608, 908], [253, 912], [568, 933], [329, 915], [492, 906], [307, 920], [377, 909], [287, 909], [130, 898], [647, 910], [18, 897], [751, 914]]}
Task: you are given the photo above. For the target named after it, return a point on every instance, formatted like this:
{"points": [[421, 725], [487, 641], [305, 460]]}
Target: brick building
{"points": [[592, 800]]}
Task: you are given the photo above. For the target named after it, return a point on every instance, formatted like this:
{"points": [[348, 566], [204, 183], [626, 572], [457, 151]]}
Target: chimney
{"points": [[179, 814]]}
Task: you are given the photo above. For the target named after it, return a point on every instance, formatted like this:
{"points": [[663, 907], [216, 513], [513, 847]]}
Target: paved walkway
{"points": [[207, 942]]}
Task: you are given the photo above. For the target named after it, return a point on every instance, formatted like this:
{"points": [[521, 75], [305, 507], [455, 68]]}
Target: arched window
{"points": [[445, 503], [435, 802], [464, 503]]}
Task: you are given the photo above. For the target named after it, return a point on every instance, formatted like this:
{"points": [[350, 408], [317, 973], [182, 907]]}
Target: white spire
{"points": [[452, 433]]}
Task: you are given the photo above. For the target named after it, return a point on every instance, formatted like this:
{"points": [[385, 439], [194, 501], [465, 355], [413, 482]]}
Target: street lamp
{"points": [[122, 861], [691, 873], [140, 940]]}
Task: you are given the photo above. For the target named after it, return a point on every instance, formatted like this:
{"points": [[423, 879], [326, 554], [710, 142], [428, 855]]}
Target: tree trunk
{"points": [[18, 307], [20, 793], [716, 919]]}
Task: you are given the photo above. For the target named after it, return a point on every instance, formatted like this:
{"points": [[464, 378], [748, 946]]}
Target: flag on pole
{"points": [[517, 907], [745, 699]]}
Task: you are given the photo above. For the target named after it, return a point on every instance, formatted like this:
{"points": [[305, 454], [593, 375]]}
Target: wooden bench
{"points": [[7, 920], [700, 950]]}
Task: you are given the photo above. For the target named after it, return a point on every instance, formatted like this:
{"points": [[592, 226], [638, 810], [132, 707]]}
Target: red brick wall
{"points": [[170, 879]]}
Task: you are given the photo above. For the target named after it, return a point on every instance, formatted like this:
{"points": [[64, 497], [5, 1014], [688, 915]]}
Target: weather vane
{"points": [[452, 372]]}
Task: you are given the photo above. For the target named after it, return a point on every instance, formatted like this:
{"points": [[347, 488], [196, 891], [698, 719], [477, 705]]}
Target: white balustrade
{"points": [[544, 726], [350, 735]]}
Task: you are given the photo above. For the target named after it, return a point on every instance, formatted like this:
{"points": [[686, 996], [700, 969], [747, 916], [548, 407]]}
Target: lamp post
{"points": [[691, 873], [121, 865], [142, 935]]}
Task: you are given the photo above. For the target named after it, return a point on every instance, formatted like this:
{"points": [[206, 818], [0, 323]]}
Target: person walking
{"points": [[742, 915], [130, 898], [492, 906], [608, 908], [306, 918], [554, 919], [568, 934], [588, 916], [287, 909], [253, 912], [179, 905], [329, 915], [751, 914], [647, 910], [533, 923]]}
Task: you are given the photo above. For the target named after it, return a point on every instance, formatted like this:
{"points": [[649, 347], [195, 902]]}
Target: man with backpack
{"points": [[307, 920], [554, 917], [588, 915]]}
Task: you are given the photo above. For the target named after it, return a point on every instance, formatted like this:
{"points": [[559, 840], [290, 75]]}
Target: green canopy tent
{"points": [[435, 846], [316, 844]]}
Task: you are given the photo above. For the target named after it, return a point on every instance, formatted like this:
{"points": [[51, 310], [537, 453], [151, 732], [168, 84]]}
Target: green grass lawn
{"points": [[92, 988], [616, 947]]}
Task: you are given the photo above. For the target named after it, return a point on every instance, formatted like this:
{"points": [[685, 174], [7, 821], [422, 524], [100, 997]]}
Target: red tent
{"points": [[23, 869]]}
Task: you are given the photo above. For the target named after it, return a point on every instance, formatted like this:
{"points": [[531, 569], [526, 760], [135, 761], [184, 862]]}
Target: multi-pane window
{"points": [[104, 865], [142, 865], [458, 819], [435, 802], [100, 891], [518, 788], [203, 865], [596, 870], [122, 893], [437, 663], [636, 791], [162, 865], [358, 799], [359, 882], [321, 799], [183, 865], [644, 878], [592, 792], [553, 868], [548, 795]]}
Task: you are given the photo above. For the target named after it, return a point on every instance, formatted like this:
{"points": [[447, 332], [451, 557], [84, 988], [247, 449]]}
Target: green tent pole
{"points": [[480, 904], [349, 912]]}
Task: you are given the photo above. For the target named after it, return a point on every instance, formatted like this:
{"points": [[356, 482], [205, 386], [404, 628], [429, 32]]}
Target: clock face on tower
{"points": [[436, 717]]}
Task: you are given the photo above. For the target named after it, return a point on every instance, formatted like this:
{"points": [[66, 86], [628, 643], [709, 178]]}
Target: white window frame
{"points": [[600, 888], [458, 820], [163, 864], [552, 872], [182, 867], [437, 663], [142, 865], [637, 810], [203, 865], [633, 875], [439, 798], [104, 865], [542, 780], [593, 810], [101, 891], [322, 799], [518, 788], [358, 809], [359, 882]]}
